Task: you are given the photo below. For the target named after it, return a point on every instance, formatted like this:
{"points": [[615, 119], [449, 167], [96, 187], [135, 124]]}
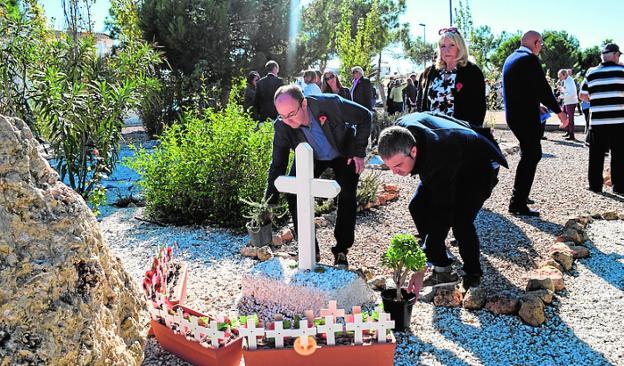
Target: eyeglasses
{"points": [[448, 30], [328, 77], [290, 115]]}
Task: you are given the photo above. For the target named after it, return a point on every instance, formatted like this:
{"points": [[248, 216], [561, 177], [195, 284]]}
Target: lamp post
{"points": [[450, 13], [424, 44]]}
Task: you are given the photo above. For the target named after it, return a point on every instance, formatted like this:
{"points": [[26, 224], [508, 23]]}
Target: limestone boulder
{"points": [[474, 299], [449, 297], [532, 310], [549, 272], [502, 304], [64, 299]]}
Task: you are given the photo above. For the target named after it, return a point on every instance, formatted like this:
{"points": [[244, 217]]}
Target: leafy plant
{"points": [[204, 165], [260, 213], [368, 187], [402, 256]]}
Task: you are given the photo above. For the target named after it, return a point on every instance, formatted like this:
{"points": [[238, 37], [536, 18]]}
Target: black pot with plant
{"points": [[403, 256], [261, 215]]}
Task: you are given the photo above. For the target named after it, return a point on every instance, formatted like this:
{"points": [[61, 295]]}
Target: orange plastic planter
{"points": [[193, 352], [376, 354]]}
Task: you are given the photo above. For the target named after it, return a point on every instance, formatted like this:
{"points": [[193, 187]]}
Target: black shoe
{"points": [[530, 201], [599, 190], [571, 138], [523, 211], [318, 257], [567, 134], [340, 260], [438, 279], [544, 138], [469, 281]]}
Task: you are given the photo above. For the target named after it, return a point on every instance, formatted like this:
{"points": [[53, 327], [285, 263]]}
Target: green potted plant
{"points": [[403, 256], [261, 216]]}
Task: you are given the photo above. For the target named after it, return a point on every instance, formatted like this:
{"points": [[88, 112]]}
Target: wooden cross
{"points": [[184, 324], [214, 333], [332, 309], [277, 333], [251, 332], [358, 327], [330, 328], [304, 331], [382, 325], [306, 187]]}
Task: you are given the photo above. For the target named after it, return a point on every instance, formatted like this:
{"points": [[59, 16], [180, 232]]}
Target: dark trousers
{"points": [[603, 138], [475, 187], [347, 204], [569, 111], [530, 155]]}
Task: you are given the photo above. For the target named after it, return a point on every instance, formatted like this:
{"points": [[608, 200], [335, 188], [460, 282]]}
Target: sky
{"points": [[589, 21]]}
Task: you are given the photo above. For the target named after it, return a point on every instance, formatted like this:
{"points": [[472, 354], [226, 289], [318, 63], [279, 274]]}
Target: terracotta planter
{"points": [[260, 236], [376, 354], [195, 353], [178, 296]]}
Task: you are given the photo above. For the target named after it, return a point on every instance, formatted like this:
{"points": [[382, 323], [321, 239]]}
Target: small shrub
{"points": [[368, 187], [204, 166], [402, 256]]}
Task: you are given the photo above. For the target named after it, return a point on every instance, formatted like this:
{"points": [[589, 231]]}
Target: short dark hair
{"points": [[252, 75], [395, 140], [270, 65], [309, 75], [292, 90]]}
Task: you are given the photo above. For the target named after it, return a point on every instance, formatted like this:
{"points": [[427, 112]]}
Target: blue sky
{"points": [[589, 21]]}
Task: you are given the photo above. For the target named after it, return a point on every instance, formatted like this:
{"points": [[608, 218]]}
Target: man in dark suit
{"points": [[361, 89], [458, 168], [524, 88], [337, 130], [265, 90]]}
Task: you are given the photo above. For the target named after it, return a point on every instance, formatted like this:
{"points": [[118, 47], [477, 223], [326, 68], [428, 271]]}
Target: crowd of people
{"points": [[444, 141]]}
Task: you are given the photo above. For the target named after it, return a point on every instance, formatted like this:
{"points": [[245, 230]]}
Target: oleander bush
{"points": [[204, 165]]}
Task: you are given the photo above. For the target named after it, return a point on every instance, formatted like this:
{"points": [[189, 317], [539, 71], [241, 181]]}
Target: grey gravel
{"points": [[584, 323]]}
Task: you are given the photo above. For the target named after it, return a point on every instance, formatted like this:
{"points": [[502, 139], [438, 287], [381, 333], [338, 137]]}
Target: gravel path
{"points": [[583, 326]]}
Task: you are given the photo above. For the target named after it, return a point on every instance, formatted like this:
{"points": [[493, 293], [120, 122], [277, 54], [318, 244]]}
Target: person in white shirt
{"points": [[570, 100], [310, 87]]}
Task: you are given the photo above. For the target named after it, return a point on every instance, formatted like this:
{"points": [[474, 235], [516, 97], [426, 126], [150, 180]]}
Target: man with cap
{"points": [[361, 89], [458, 168], [603, 88]]}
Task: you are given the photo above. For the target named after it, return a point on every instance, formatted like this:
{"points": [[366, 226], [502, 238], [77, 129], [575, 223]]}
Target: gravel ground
{"points": [[584, 325]]}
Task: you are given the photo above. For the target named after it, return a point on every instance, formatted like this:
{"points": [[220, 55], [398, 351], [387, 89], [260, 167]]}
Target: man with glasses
{"points": [[338, 131], [524, 88], [603, 88], [361, 89]]}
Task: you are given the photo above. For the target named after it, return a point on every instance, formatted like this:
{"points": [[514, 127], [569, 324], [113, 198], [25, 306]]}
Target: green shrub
{"points": [[204, 165], [402, 256]]}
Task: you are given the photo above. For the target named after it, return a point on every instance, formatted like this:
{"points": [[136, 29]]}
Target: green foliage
{"points": [[368, 187], [402, 256], [588, 57], [560, 51], [482, 44], [261, 213], [203, 167], [505, 48], [463, 18], [419, 51], [356, 49]]}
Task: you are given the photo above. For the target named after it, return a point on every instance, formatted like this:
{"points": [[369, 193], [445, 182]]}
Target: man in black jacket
{"points": [[265, 90], [458, 169], [361, 89], [337, 130], [524, 88]]}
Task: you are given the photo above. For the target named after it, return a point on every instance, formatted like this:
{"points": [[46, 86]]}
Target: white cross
{"points": [[196, 329], [251, 332], [214, 333], [332, 310], [277, 333], [184, 324], [382, 325], [306, 188], [330, 328], [357, 327], [304, 331], [167, 317]]}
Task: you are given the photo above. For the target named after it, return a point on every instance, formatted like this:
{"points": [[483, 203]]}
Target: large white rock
{"points": [[279, 286]]}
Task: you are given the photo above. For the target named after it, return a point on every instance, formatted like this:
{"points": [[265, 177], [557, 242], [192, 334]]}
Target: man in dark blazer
{"points": [[524, 88], [337, 130], [361, 89], [458, 168], [265, 90]]}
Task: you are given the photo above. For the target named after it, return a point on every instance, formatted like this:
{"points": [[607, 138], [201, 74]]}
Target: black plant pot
{"points": [[260, 236], [400, 311]]}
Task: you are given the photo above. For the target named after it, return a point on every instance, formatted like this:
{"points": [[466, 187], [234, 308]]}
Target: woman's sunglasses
{"points": [[328, 77], [448, 30]]}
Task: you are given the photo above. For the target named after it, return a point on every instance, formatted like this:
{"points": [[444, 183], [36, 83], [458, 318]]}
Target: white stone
{"points": [[280, 286], [306, 187]]}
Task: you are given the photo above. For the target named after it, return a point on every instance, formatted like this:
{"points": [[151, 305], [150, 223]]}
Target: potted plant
{"points": [[195, 337], [403, 256], [348, 340], [261, 216]]}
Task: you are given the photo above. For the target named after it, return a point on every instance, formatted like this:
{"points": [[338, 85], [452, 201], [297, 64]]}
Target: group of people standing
{"points": [[456, 158]]}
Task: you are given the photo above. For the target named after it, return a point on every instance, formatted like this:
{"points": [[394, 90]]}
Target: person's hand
{"points": [[564, 120], [415, 282], [359, 164]]}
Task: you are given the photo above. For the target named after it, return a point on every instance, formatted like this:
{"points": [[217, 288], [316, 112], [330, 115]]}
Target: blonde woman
{"points": [[453, 86]]}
